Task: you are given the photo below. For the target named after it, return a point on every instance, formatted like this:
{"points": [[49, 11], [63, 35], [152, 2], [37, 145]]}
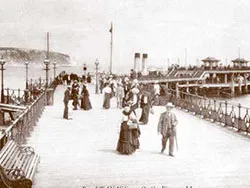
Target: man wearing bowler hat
{"points": [[167, 128]]}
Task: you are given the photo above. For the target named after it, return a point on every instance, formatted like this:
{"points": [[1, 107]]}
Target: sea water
{"points": [[15, 76]]}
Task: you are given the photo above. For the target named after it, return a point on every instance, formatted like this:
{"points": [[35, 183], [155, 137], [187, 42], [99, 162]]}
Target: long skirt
{"points": [[144, 114], [66, 111], [135, 138], [75, 102], [106, 103], [125, 142], [85, 103]]}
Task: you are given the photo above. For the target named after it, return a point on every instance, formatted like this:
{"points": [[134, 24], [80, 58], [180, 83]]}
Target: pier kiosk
{"points": [[210, 63], [239, 63]]}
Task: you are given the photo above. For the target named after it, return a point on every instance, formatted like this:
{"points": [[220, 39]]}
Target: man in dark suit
{"points": [[75, 93], [66, 102]]}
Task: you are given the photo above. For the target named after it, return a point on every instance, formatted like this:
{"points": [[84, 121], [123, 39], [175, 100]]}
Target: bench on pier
{"points": [[17, 165], [11, 109]]}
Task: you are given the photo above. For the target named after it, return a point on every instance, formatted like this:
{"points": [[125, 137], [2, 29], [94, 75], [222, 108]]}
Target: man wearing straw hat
{"points": [[167, 128]]}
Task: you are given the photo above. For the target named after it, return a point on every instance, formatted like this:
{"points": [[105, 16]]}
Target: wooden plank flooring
{"points": [[81, 152]]}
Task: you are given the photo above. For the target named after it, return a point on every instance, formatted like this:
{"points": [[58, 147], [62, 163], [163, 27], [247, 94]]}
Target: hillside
{"points": [[19, 55]]}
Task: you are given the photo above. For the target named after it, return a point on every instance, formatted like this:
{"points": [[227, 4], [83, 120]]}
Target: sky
{"points": [[161, 28]]}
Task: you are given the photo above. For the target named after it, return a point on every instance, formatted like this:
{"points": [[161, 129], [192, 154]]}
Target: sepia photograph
{"points": [[124, 94]]}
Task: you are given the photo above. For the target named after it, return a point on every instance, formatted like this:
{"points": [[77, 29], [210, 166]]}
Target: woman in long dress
{"points": [[125, 143], [134, 97], [135, 132], [107, 96], [145, 106], [119, 95], [85, 102]]}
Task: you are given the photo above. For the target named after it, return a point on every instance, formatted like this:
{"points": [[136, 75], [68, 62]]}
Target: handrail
{"points": [[228, 114], [20, 128]]}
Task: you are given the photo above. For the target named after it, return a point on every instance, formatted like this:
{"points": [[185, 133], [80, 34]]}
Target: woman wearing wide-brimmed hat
{"points": [[134, 97], [135, 132], [125, 143]]}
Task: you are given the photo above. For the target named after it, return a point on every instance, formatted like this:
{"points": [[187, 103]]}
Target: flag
{"points": [[111, 28]]}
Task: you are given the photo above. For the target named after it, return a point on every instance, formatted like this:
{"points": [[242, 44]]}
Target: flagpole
{"points": [[185, 58], [239, 52], [111, 48], [47, 45]]}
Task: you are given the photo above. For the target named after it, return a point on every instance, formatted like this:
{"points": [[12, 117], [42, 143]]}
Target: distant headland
{"points": [[17, 56]]}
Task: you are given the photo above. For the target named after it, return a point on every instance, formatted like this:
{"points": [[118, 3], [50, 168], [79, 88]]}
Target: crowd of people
{"points": [[78, 93], [129, 96]]}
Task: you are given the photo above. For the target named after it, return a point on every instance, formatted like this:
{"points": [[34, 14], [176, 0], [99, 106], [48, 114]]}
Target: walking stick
{"points": [[176, 141]]}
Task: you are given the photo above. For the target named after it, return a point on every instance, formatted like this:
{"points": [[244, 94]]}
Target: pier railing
{"points": [[27, 96], [39, 83], [230, 115], [20, 128]]}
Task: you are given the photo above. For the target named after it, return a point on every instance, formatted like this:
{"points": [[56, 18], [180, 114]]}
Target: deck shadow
{"points": [[109, 151], [152, 152]]}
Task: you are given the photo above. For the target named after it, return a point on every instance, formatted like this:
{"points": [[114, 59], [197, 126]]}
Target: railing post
{"points": [[31, 90], [220, 110], [214, 105], [239, 106], [8, 96], [19, 97], [205, 102], [26, 96], [31, 83]]}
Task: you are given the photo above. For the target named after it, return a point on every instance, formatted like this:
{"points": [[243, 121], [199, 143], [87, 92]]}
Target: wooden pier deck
{"points": [[81, 152]]}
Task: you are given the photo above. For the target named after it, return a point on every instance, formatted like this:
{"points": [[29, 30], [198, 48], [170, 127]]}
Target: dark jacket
{"points": [[167, 123], [66, 96]]}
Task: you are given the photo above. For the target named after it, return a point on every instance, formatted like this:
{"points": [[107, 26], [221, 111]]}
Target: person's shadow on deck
{"points": [[142, 151], [113, 151], [109, 151], [152, 152]]}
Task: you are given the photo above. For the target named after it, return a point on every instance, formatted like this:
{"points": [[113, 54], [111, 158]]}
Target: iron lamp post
{"points": [[46, 62], [54, 64], [2, 62], [27, 69], [26, 93], [84, 69]]}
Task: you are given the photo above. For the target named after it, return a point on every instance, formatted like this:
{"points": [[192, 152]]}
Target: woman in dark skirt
{"points": [[145, 105], [85, 102], [125, 143], [107, 96], [135, 132]]}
